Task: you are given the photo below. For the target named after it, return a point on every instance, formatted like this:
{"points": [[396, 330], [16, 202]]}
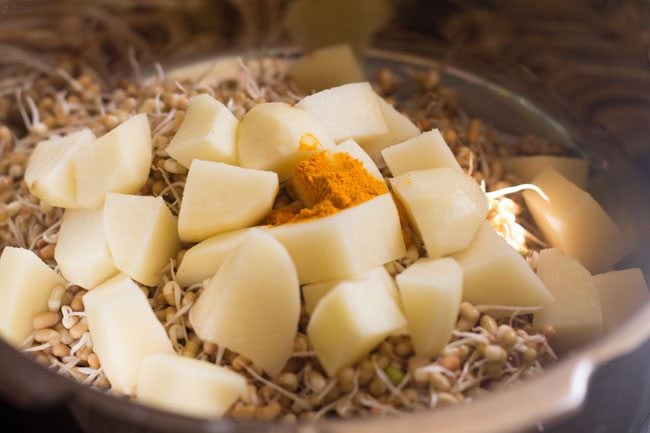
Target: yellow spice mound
{"points": [[325, 184]]}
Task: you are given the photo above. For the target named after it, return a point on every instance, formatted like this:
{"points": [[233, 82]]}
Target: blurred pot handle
{"points": [[25, 383], [626, 338]]}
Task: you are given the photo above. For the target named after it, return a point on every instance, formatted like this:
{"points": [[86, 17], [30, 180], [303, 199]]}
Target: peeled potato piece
{"points": [[400, 128], [576, 313], [82, 251], [124, 330], [326, 67], [204, 259], [575, 223], [431, 292], [494, 273], [25, 286], [347, 243], [50, 173], [350, 321], [379, 276], [621, 293], [188, 386], [142, 235], [118, 161], [444, 205], [220, 197], [276, 136], [355, 151], [348, 111], [527, 168], [208, 132], [252, 305], [317, 23], [428, 150]]}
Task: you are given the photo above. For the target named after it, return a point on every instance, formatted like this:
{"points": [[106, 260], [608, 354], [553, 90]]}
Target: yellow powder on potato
{"points": [[325, 184], [308, 142]]}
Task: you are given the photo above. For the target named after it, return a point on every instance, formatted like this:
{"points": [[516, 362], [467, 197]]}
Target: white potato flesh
{"points": [[118, 161], [208, 132], [355, 151], [444, 205], [350, 321], [400, 128], [326, 67], [50, 173], [219, 197], [527, 168], [379, 276], [431, 291], [428, 150], [124, 330], [576, 313], [319, 23], [494, 273], [348, 111], [204, 259], [276, 136], [347, 243], [252, 305], [142, 235], [621, 294], [188, 386], [82, 251], [575, 223], [25, 286]]}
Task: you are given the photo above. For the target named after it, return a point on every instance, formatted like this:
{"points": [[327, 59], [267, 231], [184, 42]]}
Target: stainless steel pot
{"points": [[575, 73]]}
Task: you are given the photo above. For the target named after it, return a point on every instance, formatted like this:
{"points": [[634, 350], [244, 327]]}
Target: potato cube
{"points": [[204, 259], [355, 151], [379, 276], [118, 161], [25, 286], [208, 132], [252, 305], [219, 197], [400, 128], [431, 290], [50, 173], [326, 67], [575, 223], [276, 136], [350, 321], [124, 330], [429, 150], [318, 23], [142, 235], [347, 243], [82, 251], [527, 168], [348, 111], [494, 273], [621, 294], [444, 205], [188, 386], [576, 313]]}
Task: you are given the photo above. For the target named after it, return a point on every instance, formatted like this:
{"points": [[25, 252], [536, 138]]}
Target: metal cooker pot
{"points": [[575, 72]]}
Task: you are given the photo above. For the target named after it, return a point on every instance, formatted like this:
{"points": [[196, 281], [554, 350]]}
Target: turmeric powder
{"points": [[325, 184]]}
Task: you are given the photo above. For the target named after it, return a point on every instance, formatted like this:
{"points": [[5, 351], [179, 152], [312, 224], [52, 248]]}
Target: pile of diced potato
{"points": [[112, 239]]}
